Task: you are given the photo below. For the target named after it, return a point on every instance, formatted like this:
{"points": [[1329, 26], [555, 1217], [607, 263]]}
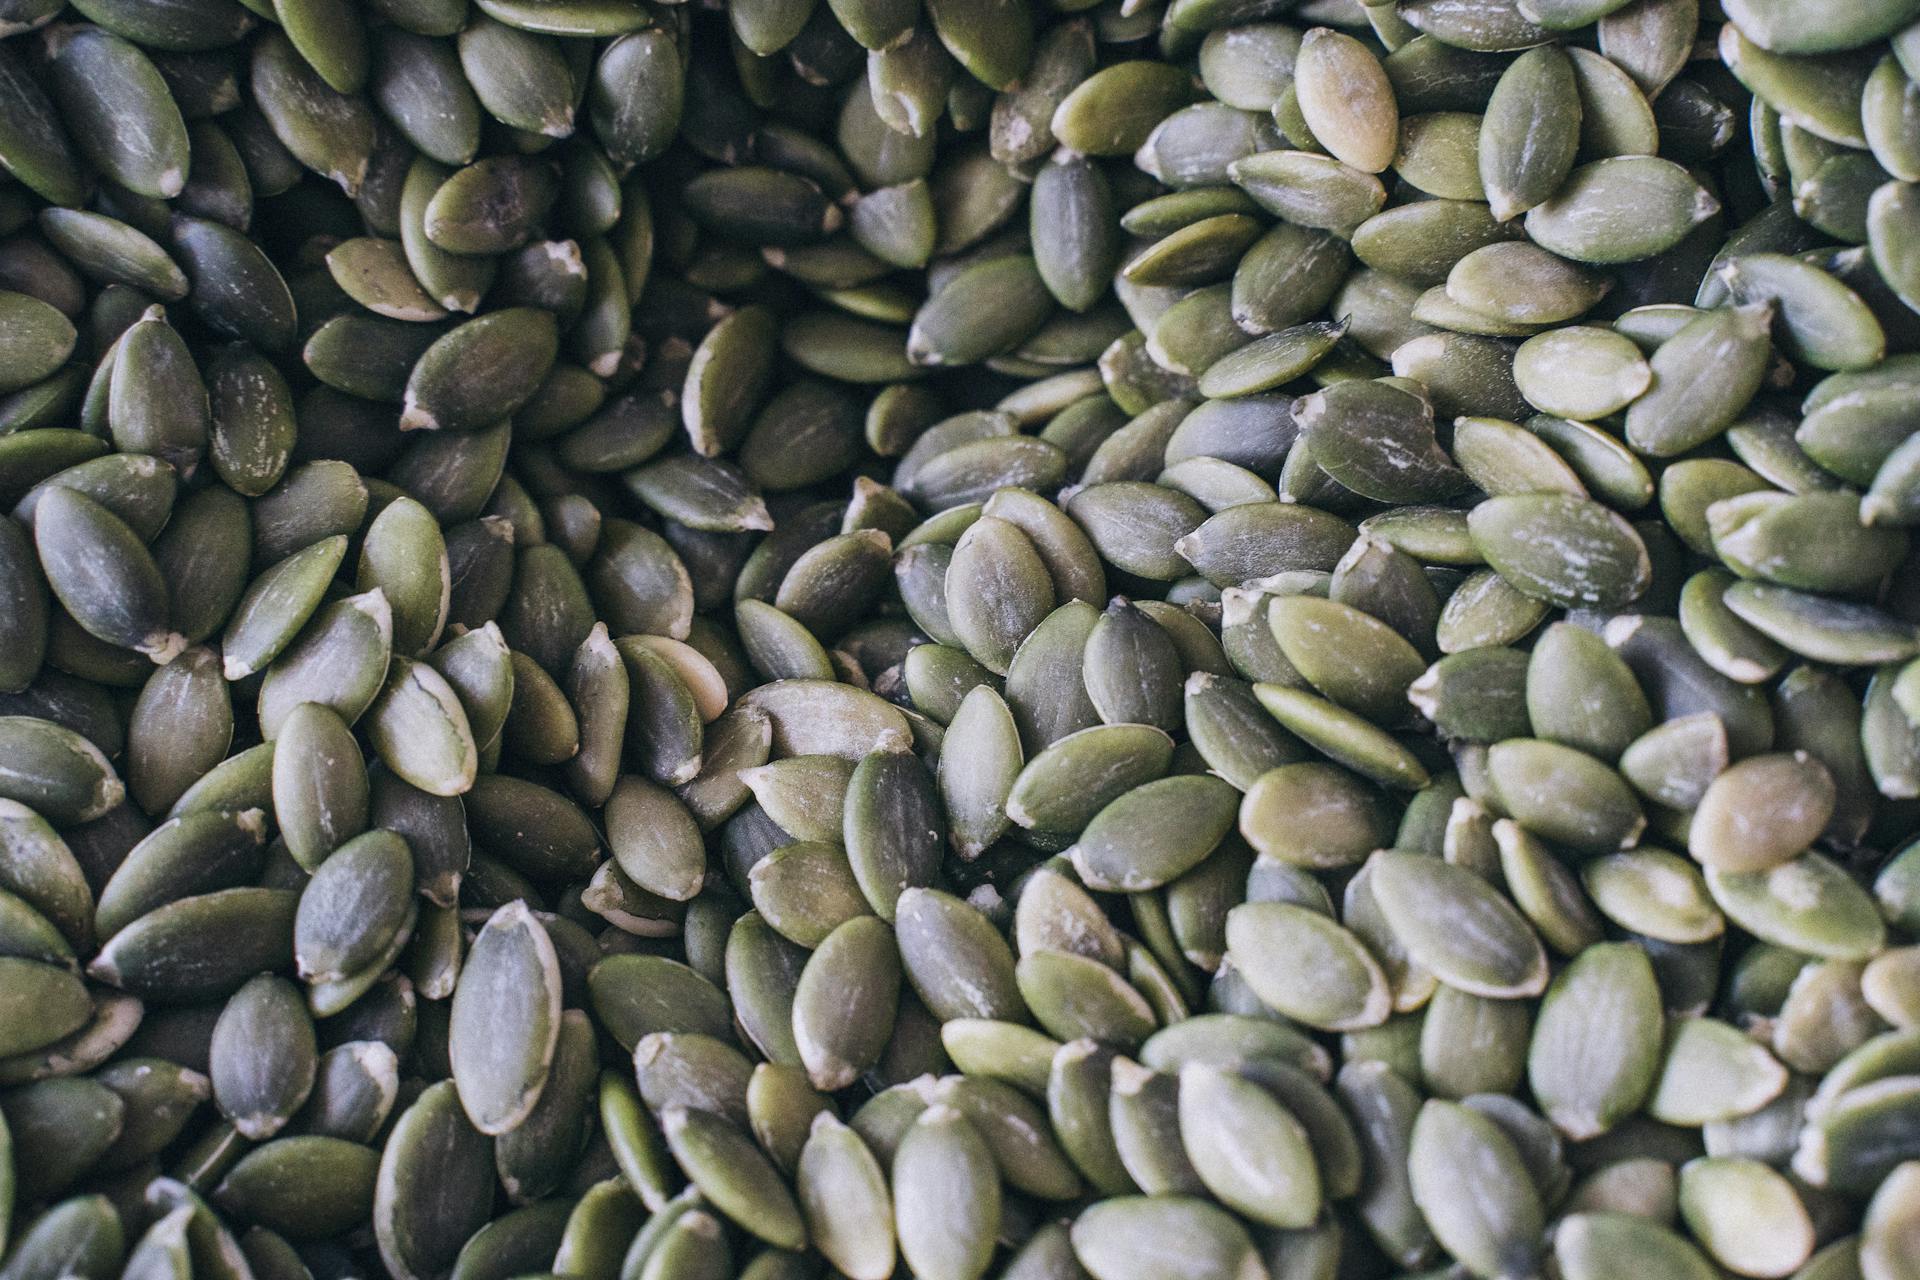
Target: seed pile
{"points": [[1220, 640]]}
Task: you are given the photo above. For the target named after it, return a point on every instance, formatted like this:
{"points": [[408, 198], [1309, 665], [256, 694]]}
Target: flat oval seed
{"points": [[1112, 111], [353, 907], [43, 1003], [339, 660], [420, 730], [820, 717], [276, 605], [505, 1020], [998, 590], [982, 311], [1132, 668], [1378, 441], [1621, 209], [1595, 1047], [1314, 815], [57, 772], [1455, 924], [1564, 549], [1746, 1215], [202, 946], [480, 372], [892, 828], [1347, 654], [1311, 190], [1074, 997], [100, 79], [103, 575], [637, 95], [1307, 967], [1654, 893], [846, 1200], [1587, 1245], [256, 1088], [1075, 248], [844, 1005], [1807, 903], [805, 891], [198, 852], [1064, 786], [1248, 1149], [1580, 372], [35, 144], [1820, 627], [428, 1198], [1821, 321], [1530, 132], [1347, 100], [1472, 1188], [958, 963], [1827, 106], [946, 1192], [1154, 833], [1892, 212], [1761, 812], [1271, 361], [1160, 1238], [1565, 795], [978, 766], [336, 1180]]}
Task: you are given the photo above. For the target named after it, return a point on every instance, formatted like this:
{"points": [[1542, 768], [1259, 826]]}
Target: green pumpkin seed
{"points": [[1588, 1243], [1595, 1048], [1477, 941], [259, 1092], [1530, 133], [844, 1003], [505, 1021], [1610, 567], [1453, 1145]]}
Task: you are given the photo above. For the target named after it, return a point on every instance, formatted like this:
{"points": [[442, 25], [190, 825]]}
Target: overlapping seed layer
{"points": [[1220, 640]]}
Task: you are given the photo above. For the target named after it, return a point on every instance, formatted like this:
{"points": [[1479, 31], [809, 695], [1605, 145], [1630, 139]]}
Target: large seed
{"points": [[505, 1020]]}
